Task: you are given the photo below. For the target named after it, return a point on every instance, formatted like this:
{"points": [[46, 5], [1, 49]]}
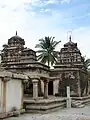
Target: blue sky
{"points": [[34, 19]]}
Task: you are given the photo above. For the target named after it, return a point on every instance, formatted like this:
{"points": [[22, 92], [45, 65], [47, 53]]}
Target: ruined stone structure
{"points": [[70, 70]]}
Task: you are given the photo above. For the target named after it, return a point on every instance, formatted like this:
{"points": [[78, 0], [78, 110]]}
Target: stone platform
{"points": [[80, 101], [84, 100], [44, 105]]}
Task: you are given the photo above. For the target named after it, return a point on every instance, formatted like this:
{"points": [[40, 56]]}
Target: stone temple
{"points": [[70, 69], [20, 59], [42, 82]]}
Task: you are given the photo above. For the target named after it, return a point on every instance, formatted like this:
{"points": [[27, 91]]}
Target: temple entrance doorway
{"points": [[50, 88]]}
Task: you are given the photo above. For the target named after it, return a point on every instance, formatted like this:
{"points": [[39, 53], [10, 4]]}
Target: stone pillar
{"points": [[78, 85], [79, 89], [88, 88], [68, 97], [46, 89], [22, 96], [35, 89], [55, 86]]}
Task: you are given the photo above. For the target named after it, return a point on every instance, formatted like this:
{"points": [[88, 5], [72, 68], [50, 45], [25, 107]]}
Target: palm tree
{"points": [[47, 53]]}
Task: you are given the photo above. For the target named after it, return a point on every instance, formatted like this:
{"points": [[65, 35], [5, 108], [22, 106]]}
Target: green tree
{"points": [[46, 50]]}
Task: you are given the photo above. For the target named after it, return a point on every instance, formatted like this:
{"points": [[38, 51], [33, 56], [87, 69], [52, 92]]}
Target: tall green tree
{"points": [[46, 50]]}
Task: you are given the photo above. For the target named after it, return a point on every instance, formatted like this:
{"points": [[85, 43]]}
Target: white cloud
{"points": [[46, 2], [65, 1], [58, 1]]}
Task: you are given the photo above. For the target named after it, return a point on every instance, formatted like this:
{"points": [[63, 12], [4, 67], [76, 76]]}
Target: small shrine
{"points": [[71, 70]]}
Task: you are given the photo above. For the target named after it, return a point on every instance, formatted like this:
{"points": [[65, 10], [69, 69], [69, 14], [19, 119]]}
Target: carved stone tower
{"points": [[70, 69]]}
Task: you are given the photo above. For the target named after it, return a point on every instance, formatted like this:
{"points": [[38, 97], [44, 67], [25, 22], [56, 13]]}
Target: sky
{"points": [[35, 19]]}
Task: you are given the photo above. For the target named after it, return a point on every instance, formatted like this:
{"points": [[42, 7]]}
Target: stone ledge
{"points": [[81, 98], [44, 111], [44, 101], [45, 107]]}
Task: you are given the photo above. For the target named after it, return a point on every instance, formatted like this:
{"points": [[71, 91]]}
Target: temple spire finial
{"points": [[16, 32], [70, 38], [69, 35]]}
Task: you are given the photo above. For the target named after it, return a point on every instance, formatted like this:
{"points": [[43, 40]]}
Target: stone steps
{"points": [[80, 101], [87, 101], [44, 106], [44, 109], [77, 104]]}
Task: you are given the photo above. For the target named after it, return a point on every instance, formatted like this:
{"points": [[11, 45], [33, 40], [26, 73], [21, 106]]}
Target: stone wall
{"points": [[13, 94], [11, 91]]}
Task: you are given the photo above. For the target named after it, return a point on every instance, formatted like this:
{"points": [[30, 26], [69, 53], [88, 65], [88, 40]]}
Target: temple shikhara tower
{"points": [[20, 59], [71, 69], [15, 55]]}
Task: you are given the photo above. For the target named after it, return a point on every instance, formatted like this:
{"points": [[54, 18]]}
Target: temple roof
{"points": [[70, 43], [16, 38]]}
